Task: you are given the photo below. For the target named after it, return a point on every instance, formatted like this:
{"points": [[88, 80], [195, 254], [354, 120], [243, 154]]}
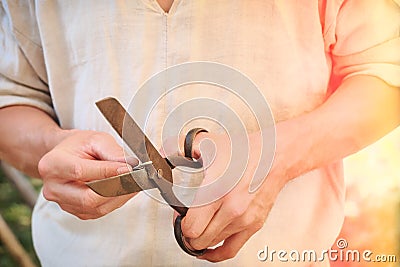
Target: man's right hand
{"points": [[81, 157]]}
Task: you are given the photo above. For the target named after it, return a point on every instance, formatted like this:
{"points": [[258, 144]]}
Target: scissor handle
{"points": [[181, 239], [188, 147]]}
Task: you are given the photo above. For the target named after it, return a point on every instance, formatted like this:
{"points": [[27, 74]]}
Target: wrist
{"points": [[292, 147], [54, 135]]}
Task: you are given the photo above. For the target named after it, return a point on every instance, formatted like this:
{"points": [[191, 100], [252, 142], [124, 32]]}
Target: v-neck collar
{"points": [[171, 11]]}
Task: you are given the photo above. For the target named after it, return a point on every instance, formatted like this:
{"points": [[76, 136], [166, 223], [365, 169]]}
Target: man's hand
{"points": [[238, 215], [81, 157], [361, 110]]}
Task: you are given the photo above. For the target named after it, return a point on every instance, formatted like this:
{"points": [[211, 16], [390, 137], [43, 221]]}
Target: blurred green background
{"points": [[17, 214], [372, 207]]}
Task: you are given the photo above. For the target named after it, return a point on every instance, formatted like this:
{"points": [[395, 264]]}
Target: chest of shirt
{"points": [[98, 48]]}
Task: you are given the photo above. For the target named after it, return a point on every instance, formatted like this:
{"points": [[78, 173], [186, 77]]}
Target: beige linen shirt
{"points": [[62, 56]]}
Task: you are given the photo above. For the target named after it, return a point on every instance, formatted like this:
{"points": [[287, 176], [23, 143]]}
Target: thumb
{"points": [[88, 170], [59, 165], [197, 219]]}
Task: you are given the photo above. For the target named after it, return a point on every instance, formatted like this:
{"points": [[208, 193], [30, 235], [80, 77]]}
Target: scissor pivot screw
{"points": [[160, 173]]}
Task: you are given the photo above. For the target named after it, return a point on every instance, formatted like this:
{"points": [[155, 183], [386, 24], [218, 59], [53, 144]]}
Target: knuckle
{"points": [[102, 210], [99, 137], [68, 209], [107, 171], [258, 224], [229, 254], [84, 217], [48, 194], [248, 220], [81, 216], [253, 222], [191, 233], [91, 207], [44, 166], [87, 203], [197, 245], [236, 211], [96, 136], [77, 171]]}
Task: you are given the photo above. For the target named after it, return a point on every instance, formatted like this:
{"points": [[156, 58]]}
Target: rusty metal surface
{"points": [[119, 185], [159, 173], [133, 136], [156, 170]]}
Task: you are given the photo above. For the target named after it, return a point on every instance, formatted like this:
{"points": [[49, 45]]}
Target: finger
{"points": [[88, 170], [113, 204], [77, 199], [219, 227], [74, 194], [78, 169], [252, 219], [197, 219], [109, 150], [131, 160], [103, 146], [95, 213], [229, 249], [227, 232]]}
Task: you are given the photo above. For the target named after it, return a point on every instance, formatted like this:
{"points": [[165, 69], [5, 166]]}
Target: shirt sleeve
{"points": [[366, 40], [23, 80]]}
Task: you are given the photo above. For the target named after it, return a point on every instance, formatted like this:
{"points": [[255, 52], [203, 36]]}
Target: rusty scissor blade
{"points": [[115, 186], [133, 136], [159, 172], [122, 184]]}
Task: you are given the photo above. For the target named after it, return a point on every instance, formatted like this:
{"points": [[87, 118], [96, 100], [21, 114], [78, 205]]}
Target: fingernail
{"points": [[124, 169], [132, 161]]}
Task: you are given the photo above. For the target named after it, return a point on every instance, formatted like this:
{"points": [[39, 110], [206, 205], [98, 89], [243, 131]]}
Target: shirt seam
{"points": [[16, 31]]}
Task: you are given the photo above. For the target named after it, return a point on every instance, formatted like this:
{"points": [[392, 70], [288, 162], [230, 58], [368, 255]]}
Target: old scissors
{"points": [[154, 170]]}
